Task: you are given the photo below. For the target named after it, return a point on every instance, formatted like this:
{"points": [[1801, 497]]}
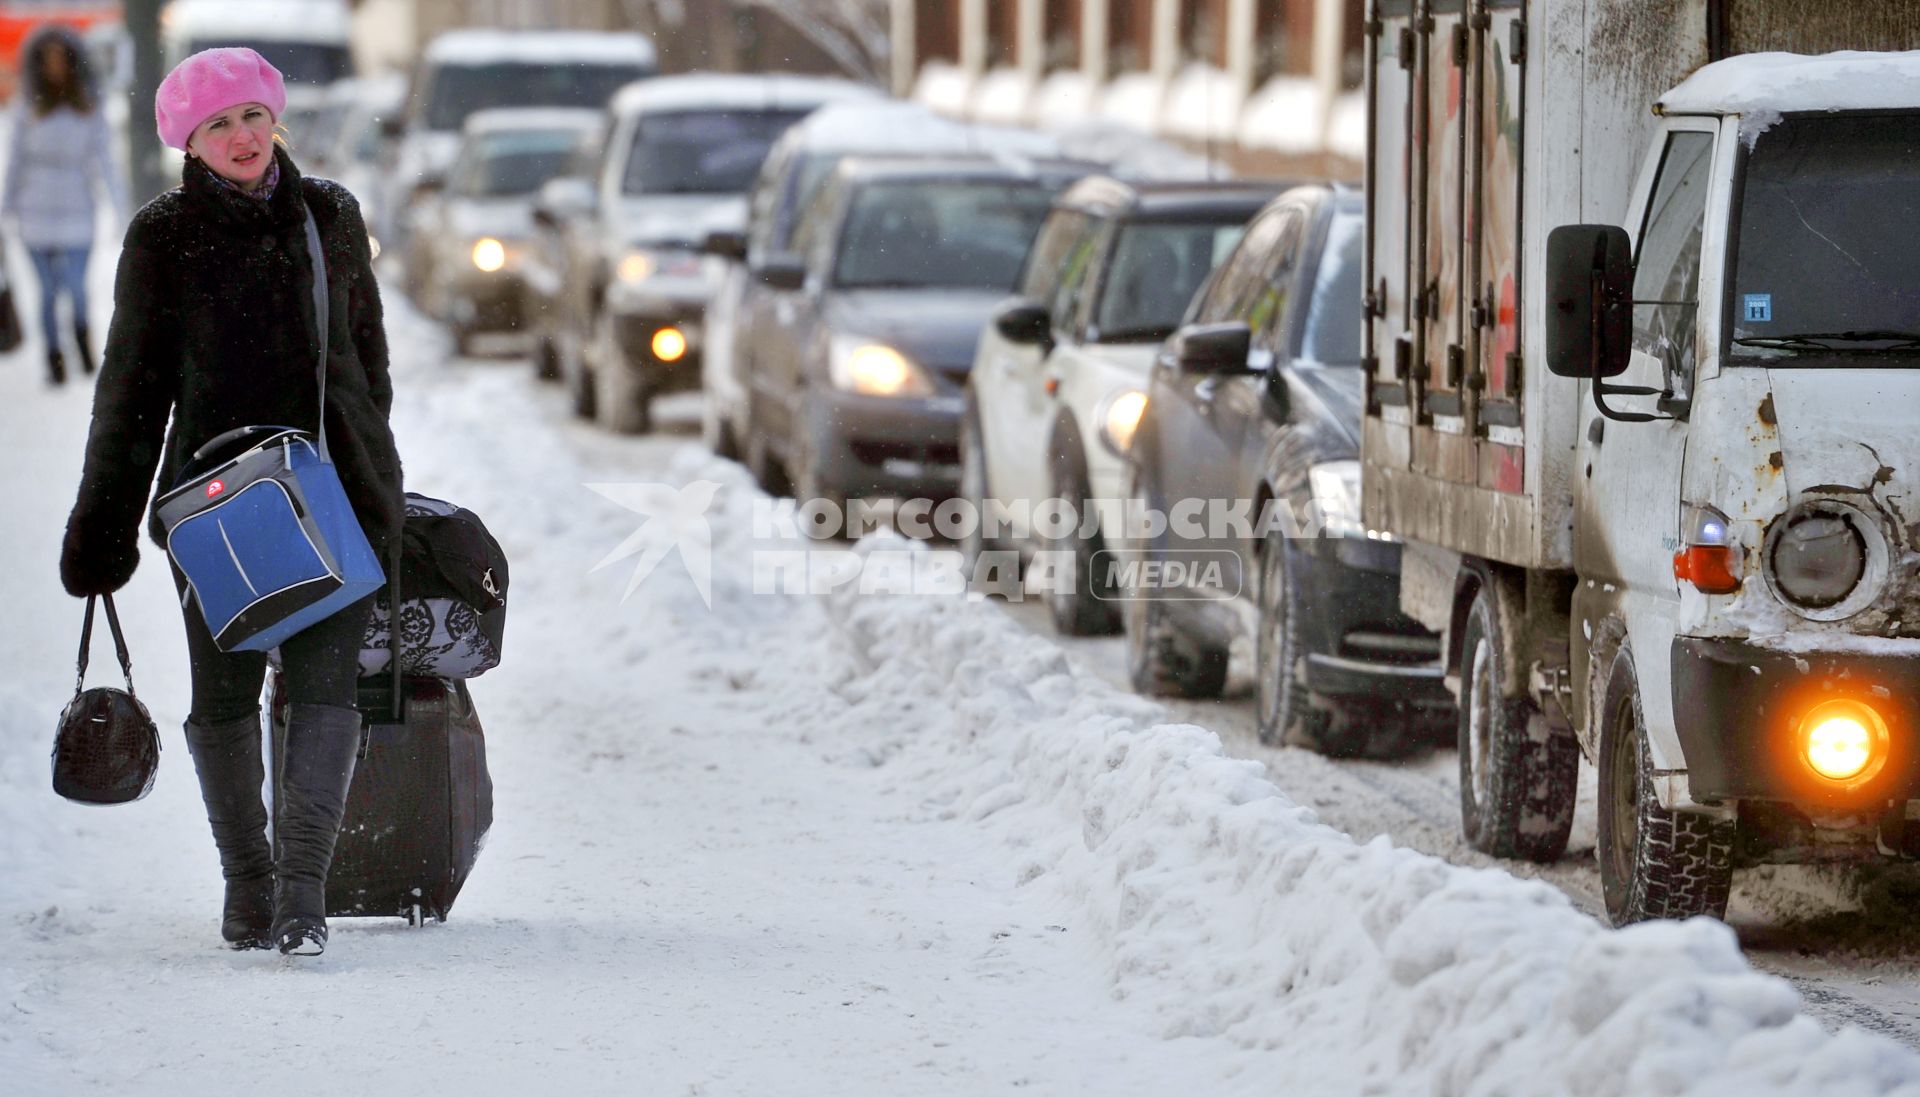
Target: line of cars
{"points": [[880, 303]]}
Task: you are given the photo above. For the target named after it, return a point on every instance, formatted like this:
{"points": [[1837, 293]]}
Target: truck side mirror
{"points": [[1589, 301], [1212, 348], [783, 272], [1023, 322], [728, 244]]}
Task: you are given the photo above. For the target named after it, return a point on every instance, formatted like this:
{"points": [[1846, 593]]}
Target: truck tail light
{"points": [[1711, 558]]}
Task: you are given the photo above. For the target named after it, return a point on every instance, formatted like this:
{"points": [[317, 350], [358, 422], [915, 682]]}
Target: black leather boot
{"points": [[227, 759], [82, 341], [322, 742], [56, 367]]}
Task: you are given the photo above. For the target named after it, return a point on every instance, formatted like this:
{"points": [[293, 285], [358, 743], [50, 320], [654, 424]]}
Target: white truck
{"points": [[1643, 349]]}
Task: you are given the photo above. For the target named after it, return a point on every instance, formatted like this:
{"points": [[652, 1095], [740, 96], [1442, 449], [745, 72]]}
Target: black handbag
{"points": [[106, 750]]}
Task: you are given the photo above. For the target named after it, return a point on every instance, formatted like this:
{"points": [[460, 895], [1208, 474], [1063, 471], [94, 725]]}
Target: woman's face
{"points": [[53, 63], [237, 143]]}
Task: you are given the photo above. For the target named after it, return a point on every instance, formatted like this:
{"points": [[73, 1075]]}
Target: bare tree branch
{"points": [[856, 34]]}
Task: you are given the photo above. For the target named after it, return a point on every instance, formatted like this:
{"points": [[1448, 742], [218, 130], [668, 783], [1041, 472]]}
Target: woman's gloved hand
{"points": [[94, 563]]}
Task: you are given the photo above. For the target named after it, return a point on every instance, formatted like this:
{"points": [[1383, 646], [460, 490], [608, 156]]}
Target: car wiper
{"points": [[1837, 341]]}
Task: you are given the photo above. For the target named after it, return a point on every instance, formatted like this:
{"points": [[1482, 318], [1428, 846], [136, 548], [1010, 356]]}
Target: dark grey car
{"points": [[856, 386]]}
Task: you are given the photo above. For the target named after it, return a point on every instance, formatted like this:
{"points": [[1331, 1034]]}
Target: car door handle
{"points": [[1203, 391]]}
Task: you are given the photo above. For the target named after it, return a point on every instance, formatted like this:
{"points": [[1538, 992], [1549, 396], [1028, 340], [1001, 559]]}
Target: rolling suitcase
{"points": [[420, 804]]}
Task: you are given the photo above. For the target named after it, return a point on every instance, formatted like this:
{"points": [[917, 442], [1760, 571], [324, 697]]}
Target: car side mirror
{"points": [[429, 184], [783, 272], [564, 199], [1212, 348], [1589, 301], [1024, 322], [728, 244]]}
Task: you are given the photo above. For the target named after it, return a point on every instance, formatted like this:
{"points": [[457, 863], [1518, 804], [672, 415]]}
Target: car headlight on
{"points": [[1336, 496], [1119, 416], [489, 255], [874, 369]]}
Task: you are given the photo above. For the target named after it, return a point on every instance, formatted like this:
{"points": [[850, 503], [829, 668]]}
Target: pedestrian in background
{"points": [[213, 329], [60, 148]]}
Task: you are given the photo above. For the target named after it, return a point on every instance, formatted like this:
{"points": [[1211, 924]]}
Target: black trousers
{"points": [[320, 664]]}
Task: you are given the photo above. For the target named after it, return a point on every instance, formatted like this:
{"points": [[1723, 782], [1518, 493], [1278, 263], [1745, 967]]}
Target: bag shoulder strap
{"points": [[119, 644], [320, 318]]}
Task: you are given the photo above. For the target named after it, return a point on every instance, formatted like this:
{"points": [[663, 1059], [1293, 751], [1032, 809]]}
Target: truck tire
{"points": [[1086, 608], [1283, 709], [1517, 771], [1161, 661], [1654, 863]]}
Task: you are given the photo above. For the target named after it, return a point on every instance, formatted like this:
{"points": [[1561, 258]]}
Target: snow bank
{"points": [[1233, 912]]}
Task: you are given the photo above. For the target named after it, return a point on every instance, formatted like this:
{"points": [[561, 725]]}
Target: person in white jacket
{"points": [[60, 155]]}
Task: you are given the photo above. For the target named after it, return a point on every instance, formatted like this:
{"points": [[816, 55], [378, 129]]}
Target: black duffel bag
{"points": [[106, 749], [453, 608]]}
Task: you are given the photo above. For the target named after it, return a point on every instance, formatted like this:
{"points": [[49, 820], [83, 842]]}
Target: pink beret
{"points": [[211, 81]]}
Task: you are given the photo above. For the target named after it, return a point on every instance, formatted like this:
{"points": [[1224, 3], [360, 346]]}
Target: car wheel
{"points": [[973, 487], [1161, 661], [1283, 709], [804, 472], [1083, 604], [546, 363], [716, 430], [1517, 770], [761, 465], [1654, 863], [624, 404], [577, 377]]}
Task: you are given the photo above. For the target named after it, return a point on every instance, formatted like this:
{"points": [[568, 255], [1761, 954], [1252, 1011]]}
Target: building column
{"points": [[1165, 55], [1093, 41], [1243, 19], [973, 36], [905, 60], [1030, 38]]}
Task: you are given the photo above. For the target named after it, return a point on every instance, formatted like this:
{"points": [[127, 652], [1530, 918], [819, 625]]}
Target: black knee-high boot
{"points": [[56, 366], [322, 741], [227, 759]]}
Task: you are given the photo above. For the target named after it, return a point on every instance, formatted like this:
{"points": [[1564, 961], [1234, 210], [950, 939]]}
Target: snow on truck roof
{"points": [[716, 91], [1782, 83], [283, 20], [481, 47]]}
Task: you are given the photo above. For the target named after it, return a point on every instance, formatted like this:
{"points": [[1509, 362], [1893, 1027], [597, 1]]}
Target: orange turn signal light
{"points": [[1844, 741], [1712, 569]]}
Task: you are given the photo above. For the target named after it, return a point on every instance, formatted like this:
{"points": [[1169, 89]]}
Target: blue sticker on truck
{"points": [[1758, 308]]}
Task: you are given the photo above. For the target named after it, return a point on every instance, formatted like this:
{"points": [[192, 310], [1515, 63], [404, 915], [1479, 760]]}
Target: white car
{"points": [[1060, 376]]}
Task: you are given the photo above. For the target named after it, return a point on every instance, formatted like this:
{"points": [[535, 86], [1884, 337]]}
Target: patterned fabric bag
{"points": [[453, 596]]}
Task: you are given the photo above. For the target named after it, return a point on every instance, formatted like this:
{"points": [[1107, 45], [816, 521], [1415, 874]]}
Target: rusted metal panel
{"points": [[1470, 520], [1758, 26]]}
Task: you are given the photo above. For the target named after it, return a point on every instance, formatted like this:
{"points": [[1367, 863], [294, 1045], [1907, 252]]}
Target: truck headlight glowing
{"points": [[1844, 741], [489, 255], [1336, 495], [874, 369], [1120, 418], [1818, 558]]}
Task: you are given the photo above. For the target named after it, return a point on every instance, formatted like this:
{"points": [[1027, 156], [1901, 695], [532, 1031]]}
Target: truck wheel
{"points": [[1282, 705], [1161, 661], [1517, 771], [1654, 863], [1084, 608]]}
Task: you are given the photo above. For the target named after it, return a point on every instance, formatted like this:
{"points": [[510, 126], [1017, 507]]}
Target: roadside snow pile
{"points": [[1235, 913]]}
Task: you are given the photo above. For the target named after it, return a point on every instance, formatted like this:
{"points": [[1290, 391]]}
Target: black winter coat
{"points": [[213, 324]]}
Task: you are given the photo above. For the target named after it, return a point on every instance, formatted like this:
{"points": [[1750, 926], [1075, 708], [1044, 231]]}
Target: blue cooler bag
{"points": [[267, 539]]}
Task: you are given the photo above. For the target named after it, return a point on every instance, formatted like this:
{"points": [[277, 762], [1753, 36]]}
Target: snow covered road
{"points": [[859, 844]]}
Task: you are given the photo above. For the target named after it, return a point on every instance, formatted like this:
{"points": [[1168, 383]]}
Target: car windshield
{"points": [[316, 63], [913, 233], [513, 162], [1155, 270], [1332, 336], [702, 152], [1826, 266], [456, 91]]}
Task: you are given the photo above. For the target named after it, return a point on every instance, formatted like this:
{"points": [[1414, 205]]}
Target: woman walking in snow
{"points": [[60, 147], [213, 324]]}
